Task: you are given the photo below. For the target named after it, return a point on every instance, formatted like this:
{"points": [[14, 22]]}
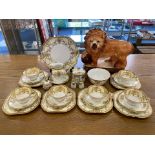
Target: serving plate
{"points": [[23, 103], [91, 105], [58, 99], [125, 110], [59, 53]]}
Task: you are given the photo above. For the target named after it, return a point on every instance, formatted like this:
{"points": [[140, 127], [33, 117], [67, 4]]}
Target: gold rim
{"points": [[48, 108], [138, 86], [9, 111], [126, 112], [132, 110], [108, 107], [45, 56], [21, 83]]}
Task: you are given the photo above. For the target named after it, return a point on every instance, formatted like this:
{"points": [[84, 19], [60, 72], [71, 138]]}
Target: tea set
{"points": [[22, 100], [95, 99], [59, 98], [33, 77]]}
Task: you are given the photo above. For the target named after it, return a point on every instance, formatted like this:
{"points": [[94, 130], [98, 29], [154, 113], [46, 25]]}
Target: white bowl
{"points": [[98, 76]]}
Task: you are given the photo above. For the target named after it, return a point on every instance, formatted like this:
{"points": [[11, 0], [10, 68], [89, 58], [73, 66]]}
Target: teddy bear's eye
{"points": [[98, 41], [91, 40]]}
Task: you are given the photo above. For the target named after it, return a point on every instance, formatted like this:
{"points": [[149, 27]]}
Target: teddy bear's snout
{"points": [[94, 46]]}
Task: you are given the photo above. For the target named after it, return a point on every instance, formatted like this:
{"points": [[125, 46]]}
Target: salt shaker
{"points": [[78, 78]]}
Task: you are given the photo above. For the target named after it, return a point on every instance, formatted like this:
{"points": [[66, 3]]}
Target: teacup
{"points": [[98, 93], [127, 78], [57, 65], [58, 73], [135, 97], [59, 93], [22, 94], [32, 73]]}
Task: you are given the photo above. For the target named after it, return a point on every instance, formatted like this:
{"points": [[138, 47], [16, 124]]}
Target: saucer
{"points": [[17, 109], [22, 100], [35, 82], [126, 78], [106, 107], [52, 107], [39, 78], [125, 111], [118, 86], [135, 107]]}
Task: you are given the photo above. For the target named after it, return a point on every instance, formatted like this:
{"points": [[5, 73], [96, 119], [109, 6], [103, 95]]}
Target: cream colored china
{"points": [[47, 84], [21, 101], [95, 104], [98, 93], [22, 94], [98, 76], [78, 78], [32, 73], [33, 77], [133, 111], [55, 103], [59, 53], [136, 96], [126, 78], [59, 76], [119, 86], [22, 98], [59, 98], [38, 78], [131, 105], [58, 92]]}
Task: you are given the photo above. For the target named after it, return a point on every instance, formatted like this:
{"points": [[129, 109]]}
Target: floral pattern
{"points": [[47, 49]]}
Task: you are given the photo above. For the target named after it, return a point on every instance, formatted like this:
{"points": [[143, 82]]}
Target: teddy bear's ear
{"points": [[104, 35], [85, 38]]}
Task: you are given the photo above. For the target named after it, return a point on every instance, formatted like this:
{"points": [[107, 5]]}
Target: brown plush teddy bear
{"points": [[97, 45]]}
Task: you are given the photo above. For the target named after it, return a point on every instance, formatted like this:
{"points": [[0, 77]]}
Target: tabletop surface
{"points": [[75, 121]]}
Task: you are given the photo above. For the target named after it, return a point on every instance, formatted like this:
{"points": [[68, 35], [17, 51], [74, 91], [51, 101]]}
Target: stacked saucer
{"points": [[21, 101], [132, 102], [95, 99], [33, 77], [58, 98], [125, 79]]}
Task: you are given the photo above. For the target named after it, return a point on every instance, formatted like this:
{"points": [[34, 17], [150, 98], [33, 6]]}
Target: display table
{"points": [[75, 121]]}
